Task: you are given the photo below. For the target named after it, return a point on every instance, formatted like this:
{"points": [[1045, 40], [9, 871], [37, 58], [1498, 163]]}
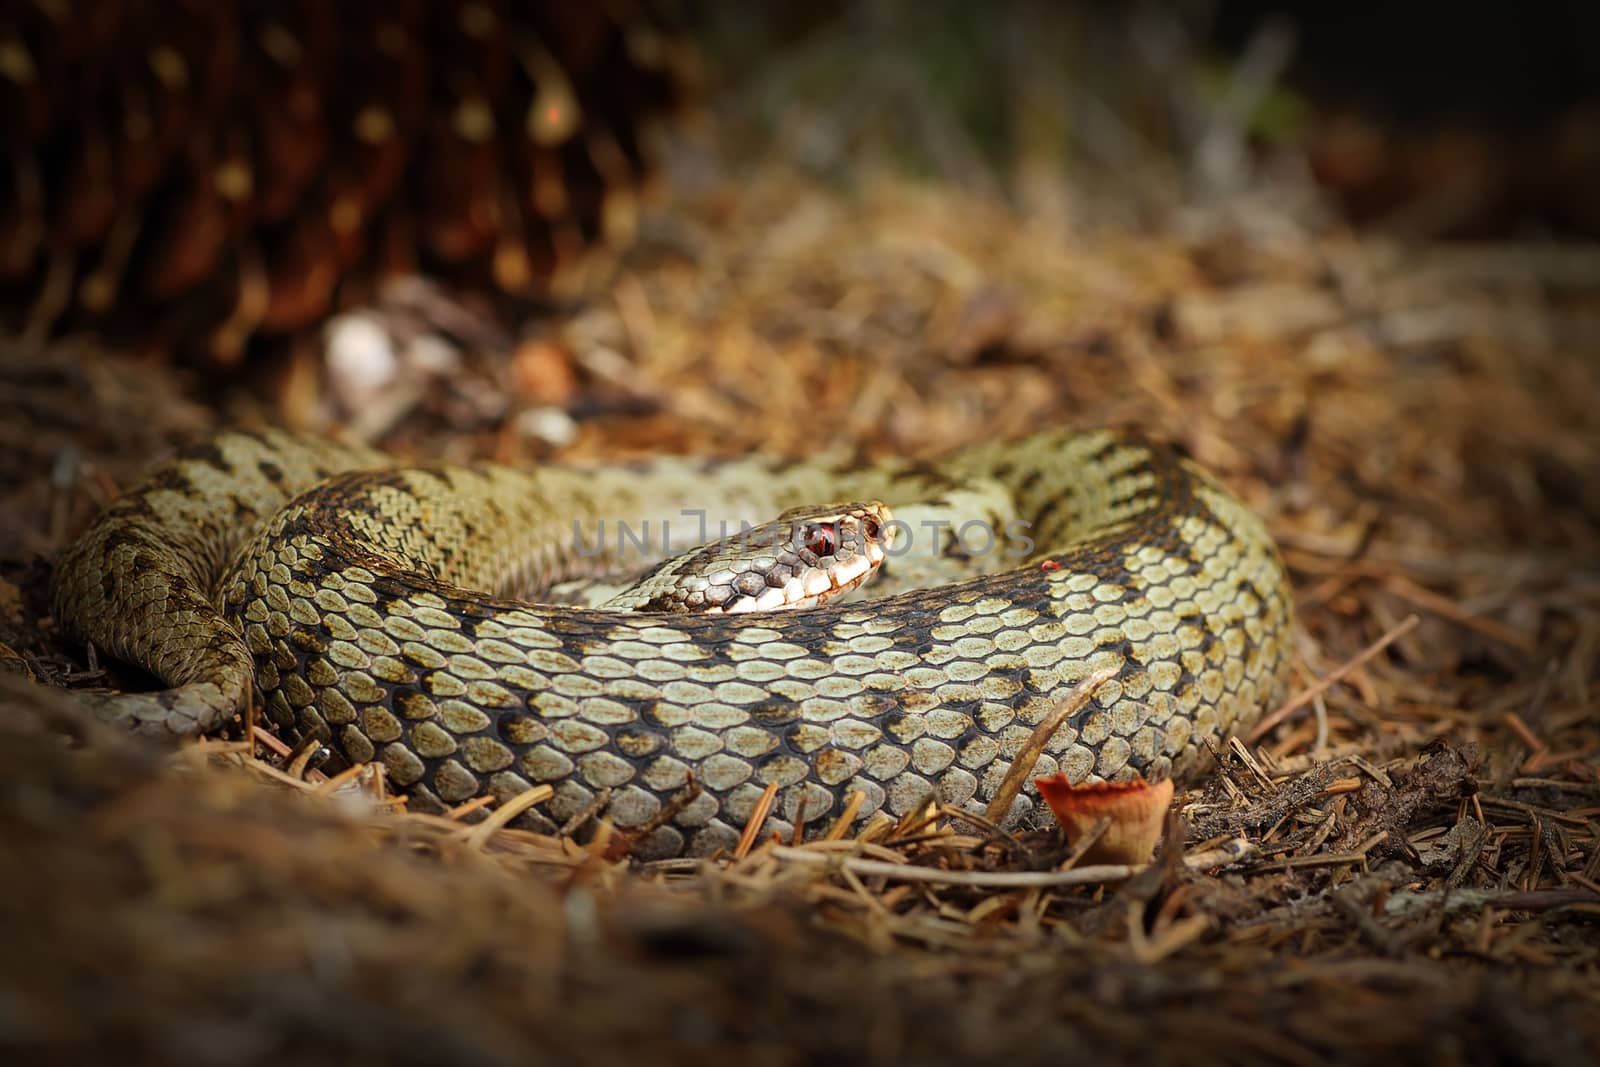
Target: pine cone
{"points": [[195, 174]]}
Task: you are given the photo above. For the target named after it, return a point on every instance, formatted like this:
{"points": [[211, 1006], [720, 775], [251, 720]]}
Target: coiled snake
{"points": [[341, 590]]}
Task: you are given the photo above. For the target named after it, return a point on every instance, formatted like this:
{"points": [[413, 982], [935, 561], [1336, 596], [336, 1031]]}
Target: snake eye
{"points": [[871, 527], [820, 540]]}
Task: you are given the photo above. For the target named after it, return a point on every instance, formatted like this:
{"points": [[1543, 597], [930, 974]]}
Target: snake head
{"points": [[830, 550], [807, 555], [801, 559]]}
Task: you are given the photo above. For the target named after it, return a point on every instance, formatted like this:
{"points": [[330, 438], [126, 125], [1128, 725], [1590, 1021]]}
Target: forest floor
{"points": [[1421, 869]]}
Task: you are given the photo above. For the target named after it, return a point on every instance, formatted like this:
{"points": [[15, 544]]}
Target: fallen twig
{"points": [[1229, 852], [1023, 765], [1306, 695]]}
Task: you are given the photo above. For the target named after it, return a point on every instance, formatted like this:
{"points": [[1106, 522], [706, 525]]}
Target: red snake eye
{"points": [[821, 540]]}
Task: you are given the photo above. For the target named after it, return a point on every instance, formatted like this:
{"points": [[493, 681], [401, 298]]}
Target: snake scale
{"points": [[383, 609]]}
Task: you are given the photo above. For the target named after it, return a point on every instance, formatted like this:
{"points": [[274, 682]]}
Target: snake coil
{"points": [[376, 606]]}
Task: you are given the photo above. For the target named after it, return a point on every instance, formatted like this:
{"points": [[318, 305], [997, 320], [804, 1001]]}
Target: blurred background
{"points": [[207, 180], [1432, 118]]}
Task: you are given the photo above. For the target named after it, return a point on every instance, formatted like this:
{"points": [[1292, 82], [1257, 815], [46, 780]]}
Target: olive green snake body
{"points": [[378, 607]]}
